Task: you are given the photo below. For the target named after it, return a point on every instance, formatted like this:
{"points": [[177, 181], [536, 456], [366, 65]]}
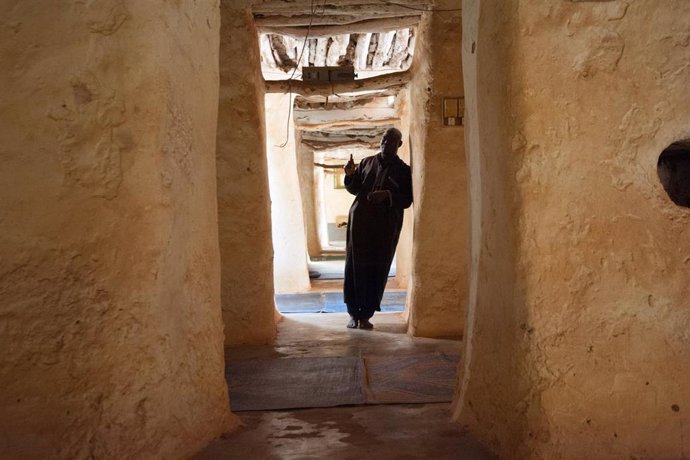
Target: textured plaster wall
{"points": [[338, 200], [306, 177], [577, 344], [244, 217], [290, 274], [110, 324], [493, 377], [403, 255], [439, 283]]}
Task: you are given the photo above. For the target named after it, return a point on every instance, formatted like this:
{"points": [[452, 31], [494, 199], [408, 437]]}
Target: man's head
{"points": [[390, 142]]}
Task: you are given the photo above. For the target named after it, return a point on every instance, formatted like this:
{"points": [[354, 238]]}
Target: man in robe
{"points": [[382, 185]]}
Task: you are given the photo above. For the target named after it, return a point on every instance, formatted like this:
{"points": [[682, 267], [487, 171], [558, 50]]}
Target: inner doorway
{"points": [[321, 126], [327, 132]]}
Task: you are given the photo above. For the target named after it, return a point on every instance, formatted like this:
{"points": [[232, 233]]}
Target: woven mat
{"points": [[290, 383], [417, 378]]}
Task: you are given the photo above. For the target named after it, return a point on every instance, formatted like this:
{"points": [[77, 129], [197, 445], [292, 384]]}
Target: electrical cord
{"points": [[299, 60]]}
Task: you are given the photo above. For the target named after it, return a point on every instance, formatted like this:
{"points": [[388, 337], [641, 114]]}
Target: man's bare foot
{"points": [[352, 324], [365, 324]]}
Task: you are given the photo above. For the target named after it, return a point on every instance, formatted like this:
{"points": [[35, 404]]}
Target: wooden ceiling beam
{"points": [[330, 145], [361, 27], [383, 49], [340, 125], [400, 48], [374, 130], [354, 97], [321, 116], [361, 8], [319, 20], [361, 135], [382, 82], [337, 49]]}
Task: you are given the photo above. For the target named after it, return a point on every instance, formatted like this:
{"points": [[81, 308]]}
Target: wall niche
{"points": [[673, 169]]}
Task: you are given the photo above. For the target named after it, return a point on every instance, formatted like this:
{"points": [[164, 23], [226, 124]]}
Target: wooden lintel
{"points": [[371, 25], [363, 8], [382, 82], [325, 166], [319, 99], [318, 145], [340, 125], [317, 22]]}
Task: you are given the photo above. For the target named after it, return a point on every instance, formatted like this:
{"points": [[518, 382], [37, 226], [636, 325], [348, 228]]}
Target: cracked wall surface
{"points": [[578, 317], [109, 269]]}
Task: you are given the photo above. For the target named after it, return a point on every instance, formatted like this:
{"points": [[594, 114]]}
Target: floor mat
{"points": [[417, 378], [290, 383]]}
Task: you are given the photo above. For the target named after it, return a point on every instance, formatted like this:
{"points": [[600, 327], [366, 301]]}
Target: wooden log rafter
{"points": [[364, 95], [400, 48], [343, 125], [296, 22], [325, 166], [321, 117], [382, 53], [336, 103], [338, 50], [320, 145], [392, 81], [371, 25], [364, 135], [364, 9]]}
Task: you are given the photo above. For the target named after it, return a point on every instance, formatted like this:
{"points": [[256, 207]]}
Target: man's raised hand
{"points": [[350, 167]]}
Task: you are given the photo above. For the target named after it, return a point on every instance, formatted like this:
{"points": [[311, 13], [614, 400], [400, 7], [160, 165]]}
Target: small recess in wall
{"points": [[453, 110], [673, 169]]}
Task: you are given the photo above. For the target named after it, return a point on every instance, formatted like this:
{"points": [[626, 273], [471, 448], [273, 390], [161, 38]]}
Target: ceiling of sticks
{"points": [[370, 53], [375, 37]]}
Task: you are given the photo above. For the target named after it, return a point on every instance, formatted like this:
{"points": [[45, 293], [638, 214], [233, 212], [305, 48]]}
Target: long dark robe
{"points": [[373, 230]]}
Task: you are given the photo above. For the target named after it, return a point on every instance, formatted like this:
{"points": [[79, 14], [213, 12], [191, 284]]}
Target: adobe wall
{"points": [[438, 285], [403, 253], [244, 217], [290, 274], [579, 312], [305, 176], [110, 320]]}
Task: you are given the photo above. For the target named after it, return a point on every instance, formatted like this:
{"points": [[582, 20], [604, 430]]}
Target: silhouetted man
{"points": [[382, 185]]}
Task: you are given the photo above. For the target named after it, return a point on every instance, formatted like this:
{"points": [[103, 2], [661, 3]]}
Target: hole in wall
{"points": [[673, 169]]}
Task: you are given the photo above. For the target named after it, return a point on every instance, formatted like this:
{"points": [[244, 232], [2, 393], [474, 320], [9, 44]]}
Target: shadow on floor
{"points": [[395, 432]]}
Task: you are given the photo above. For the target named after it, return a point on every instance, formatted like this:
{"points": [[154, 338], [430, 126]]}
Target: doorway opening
{"points": [[312, 131]]}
